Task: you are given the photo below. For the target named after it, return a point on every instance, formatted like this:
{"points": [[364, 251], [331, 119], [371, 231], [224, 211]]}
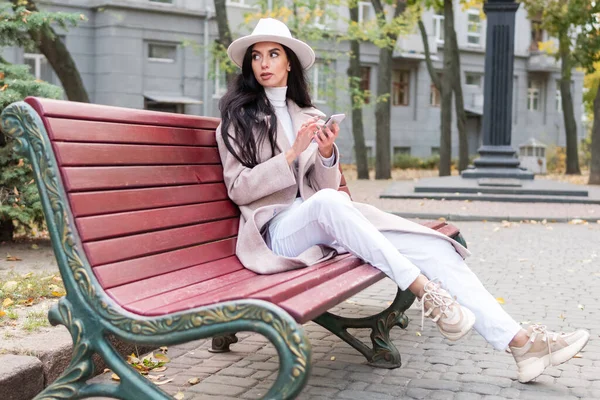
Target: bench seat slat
{"points": [[121, 224], [155, 305], [101, 154], [96, 112], [106, 132], [252, 287], [448, 230], [120, 273], [129, 247], [156, 286], [100, 178], [315, 301], [113, 201]]}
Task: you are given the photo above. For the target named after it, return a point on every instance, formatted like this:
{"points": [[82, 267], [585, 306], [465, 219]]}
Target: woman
{"points": [[281, 169]]}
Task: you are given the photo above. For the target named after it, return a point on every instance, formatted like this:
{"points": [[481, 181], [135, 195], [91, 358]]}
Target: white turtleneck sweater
{"points": [[277, 97]]}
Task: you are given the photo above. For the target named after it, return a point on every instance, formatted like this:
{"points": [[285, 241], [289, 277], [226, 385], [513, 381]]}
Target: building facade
{"points": [[154, 54]]}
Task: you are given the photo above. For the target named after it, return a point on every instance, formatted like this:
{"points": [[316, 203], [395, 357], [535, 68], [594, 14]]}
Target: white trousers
{"points": [[329, 218]]}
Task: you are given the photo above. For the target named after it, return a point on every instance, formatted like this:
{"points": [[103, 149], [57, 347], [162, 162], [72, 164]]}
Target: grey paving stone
{"points": [[239, 372], [481, 388], [217, 389], [492, 380], [358, 395], [573, 382], [467, 396], [434, 384], [21, 377], [418, 393], [510, 393]]}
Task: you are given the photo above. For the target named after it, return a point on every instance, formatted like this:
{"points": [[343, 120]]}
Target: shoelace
{"points": [[443, 301], [537, 330]]}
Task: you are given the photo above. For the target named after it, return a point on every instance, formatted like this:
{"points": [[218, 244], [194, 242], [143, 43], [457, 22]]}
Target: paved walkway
{"points": [[545, 273]]}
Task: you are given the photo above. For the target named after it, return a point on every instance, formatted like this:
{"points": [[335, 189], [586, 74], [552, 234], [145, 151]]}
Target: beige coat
{"points": [[271, 187]]}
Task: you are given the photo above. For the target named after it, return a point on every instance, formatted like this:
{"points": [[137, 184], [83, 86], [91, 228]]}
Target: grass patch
{"points": [[27, 290], [35, 320]]}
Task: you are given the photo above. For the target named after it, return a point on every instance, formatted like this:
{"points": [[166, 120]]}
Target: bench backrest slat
{"points": [[114, 201], [103, 154]]}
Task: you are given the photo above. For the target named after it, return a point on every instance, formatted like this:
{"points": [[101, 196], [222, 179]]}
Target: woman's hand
{"points": [[325, 138], [303, 138]]}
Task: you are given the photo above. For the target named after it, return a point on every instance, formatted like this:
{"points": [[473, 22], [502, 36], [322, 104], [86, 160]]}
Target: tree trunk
{"points": [[459, 103], [383, 166], [595, 164], [59, 57], [224, 32], [6, 231], [354, 76], [567, 106], [435, 77], [446, 121]]}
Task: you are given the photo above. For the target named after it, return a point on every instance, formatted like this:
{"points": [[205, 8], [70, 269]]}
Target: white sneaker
{"points": [[453, 320], [545, 348]]}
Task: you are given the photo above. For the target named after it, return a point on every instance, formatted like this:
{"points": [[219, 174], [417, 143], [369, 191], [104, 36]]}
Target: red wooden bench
{"points": [[145, 236]]}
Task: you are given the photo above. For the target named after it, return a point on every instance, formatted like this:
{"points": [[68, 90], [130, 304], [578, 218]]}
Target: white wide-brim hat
{"points": [[271, 30]]}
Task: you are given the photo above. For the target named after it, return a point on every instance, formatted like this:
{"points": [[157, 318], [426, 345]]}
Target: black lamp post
{"points": [[497, 157]]}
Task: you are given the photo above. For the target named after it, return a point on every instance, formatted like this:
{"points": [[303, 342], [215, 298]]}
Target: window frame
{"points": [[217, 84], [317, 66], [438, 28], [479, 75], [399, 86], [477, 34], [365, 87], [160, 59], [361, 14], [534, 94]]}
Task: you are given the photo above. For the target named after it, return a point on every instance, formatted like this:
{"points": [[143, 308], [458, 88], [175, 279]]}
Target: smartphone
{"points": [[337, 118]]}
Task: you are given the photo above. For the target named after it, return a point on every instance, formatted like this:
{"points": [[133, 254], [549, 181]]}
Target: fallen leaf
{"points": [[194, 381], [28, 275], [160, 369], [56, 279], [179, 396], [2, 76], [132, 359], [15, 191], [2, 313], [29, 302], [500, 300], [561, 316], [12, 258], [418, 333], [580, 306], [155, 377], [162, 357], [57, 293], [106, 370], [442, 219], [523, 259], [115, 377], [163, 382], [7, 302], [525, 322], [577, 221], [35, 246], [578, 355], [496, 229]]}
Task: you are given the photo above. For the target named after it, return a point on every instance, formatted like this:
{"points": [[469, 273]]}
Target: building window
{"points": [[537, 35], [435, 151], [533, 95], [39, 67], [220, 84], [558, 98], [474, 27], [400, 87], [366, 12], [435, 97], [365, 83], [438, 28], [473, 79], [162, 52], [401, 150], [318, 80]]}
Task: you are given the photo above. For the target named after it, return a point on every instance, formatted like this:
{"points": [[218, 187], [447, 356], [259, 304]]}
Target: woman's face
{"points": [[270, 64]]}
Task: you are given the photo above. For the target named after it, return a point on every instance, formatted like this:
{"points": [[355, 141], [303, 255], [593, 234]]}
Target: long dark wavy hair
{"points": [[246, 100]]}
